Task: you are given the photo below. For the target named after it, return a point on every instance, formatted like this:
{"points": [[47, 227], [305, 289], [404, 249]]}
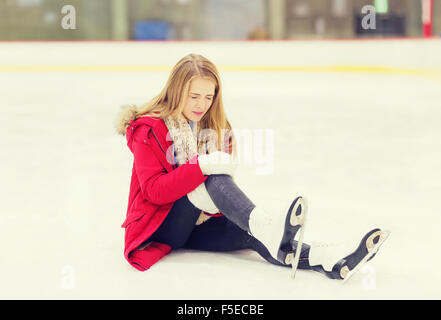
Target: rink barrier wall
{"points": [[240, 40], [434, 74], [411, 57]]}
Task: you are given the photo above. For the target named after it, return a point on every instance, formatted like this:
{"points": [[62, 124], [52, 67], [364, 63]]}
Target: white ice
{"points": [[363, 147]]}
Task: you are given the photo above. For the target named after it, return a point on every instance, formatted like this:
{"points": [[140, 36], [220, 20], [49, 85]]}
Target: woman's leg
{"points": [[230, 199], [178, 225], [221, 235], [275, 230]]}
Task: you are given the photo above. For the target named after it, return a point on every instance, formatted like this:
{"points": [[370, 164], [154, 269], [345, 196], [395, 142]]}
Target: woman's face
{"points": [[199, 99]]}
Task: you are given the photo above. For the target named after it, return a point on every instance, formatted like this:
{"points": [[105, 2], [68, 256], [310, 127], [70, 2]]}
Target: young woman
{"points": [[183, 194]]}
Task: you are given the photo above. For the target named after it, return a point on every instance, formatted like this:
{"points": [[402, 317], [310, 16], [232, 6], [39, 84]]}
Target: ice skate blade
{"points": [[346, 274], [295, 219], [301, 221]]}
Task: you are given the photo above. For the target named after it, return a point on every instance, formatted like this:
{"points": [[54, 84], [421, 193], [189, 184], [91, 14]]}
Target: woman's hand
{"points": [[217, 162], [200, 198]]}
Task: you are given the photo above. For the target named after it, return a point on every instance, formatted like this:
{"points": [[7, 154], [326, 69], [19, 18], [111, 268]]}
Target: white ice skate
{"points": [[278, 232], [328, 260]]}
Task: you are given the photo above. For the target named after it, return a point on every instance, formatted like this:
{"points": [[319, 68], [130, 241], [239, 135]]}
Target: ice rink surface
{"points": [[363, 147]]}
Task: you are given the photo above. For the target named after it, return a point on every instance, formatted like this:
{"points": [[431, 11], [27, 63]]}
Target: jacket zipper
{"points": [[173, 165], [158, 141]]}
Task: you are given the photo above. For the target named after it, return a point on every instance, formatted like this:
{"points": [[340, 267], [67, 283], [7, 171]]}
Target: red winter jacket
{"points": [[156, 183]]}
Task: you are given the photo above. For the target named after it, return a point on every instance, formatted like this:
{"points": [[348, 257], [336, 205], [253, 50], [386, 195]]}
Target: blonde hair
{"points": [[170, 101]]}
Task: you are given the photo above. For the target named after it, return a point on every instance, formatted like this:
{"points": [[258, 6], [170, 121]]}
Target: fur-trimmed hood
{"points": [[152, 123], [127, 114]]}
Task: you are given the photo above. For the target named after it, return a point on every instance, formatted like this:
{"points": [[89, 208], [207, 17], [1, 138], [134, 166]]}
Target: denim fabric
{"points": [[178, 225], [229, 199]]}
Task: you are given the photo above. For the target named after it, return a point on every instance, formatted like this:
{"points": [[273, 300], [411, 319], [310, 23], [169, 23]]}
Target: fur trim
{"points": [[127, 114]]}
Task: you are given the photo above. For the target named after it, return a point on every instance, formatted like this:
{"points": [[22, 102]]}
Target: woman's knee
{"points": [[216, 181]]}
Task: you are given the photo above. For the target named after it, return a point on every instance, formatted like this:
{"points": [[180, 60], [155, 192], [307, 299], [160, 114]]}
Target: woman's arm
{"points": [[157, 185]]}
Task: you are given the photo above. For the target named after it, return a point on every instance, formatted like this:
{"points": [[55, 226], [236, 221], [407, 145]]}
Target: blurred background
{"points": [[216, 19], [355, 127]]}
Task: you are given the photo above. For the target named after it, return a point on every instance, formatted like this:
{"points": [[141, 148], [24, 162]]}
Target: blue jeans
{"points": [[218, 234]]}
